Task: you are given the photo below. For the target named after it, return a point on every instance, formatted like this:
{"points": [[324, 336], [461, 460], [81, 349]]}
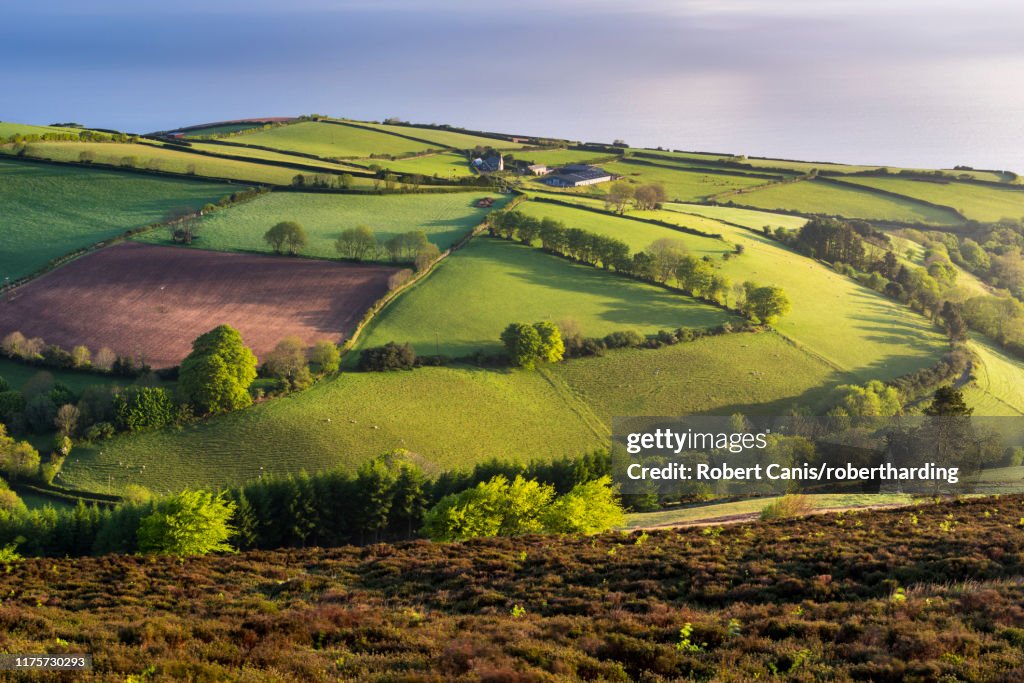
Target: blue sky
{"points": [[692, 73]]}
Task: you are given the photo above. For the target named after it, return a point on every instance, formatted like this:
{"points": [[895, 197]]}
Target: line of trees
{"points": [[389, 498], [666, 261], [79, 136], [361, 244]]}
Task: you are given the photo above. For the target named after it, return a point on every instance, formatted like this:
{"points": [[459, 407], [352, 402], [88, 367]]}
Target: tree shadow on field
{"points": [[628, 302]]}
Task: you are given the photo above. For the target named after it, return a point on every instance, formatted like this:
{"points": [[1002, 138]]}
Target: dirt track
{"points": [[153, 301], [740, 518]]}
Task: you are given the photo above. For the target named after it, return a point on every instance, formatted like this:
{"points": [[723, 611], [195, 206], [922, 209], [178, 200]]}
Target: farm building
{"points": [[538, 169], [577, 175], [490, 163]]}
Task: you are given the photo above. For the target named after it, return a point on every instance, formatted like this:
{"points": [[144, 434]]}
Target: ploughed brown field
{"points": [[152, 301]]}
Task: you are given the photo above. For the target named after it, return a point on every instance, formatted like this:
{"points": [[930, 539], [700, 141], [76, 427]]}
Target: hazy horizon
{"points": [[916, 84]]}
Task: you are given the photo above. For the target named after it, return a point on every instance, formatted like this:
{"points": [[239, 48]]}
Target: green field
{"points": [[815, 196], [449, 417], [807, 166], [747, 218], [560, 410], [445, 217], [999, 381], [49, 210], [267, 155], [444, 165], [636, 234], [559, 157], [223, 129], [852, 327], [331, 140], [445, 138], [474, 294], [976, 202], [682, 185], [8, 129], [751, 373], [146, 156]]}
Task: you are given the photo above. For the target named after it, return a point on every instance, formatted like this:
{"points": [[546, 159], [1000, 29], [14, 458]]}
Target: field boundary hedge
{"points": [[383, 302], [892, 195], [650, 221], [716, 171], [186, 147]]}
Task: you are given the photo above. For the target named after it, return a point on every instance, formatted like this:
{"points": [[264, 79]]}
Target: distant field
{"points": [[162, 159], [331, 140], [224, 129], [443, 165], [767, 164], [267, 155], [999, 389], [49, 210], [8, 129], [446, 218], [749, 373], [446, 138], [746, 217], [976, 202], [815, 196], [559, 157], [474, 294], [807, 166], [682, 185], [449, 417], [153, 301], [636, 234]]}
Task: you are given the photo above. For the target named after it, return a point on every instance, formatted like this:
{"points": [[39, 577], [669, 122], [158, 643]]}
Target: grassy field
{"points": [[331, 140], [821, 197], [636, 234], [223, 129], [267, 155], [559, 157], [744, 217], [750, 373], [694, 514], [471, 297], [449, 417], [682, 185], [807, 166], [561, 410], [446, 218], [866, 334], [999, 385], [854, 328], [8, 129], [165, 159], [445, 138], [443, 165], [49, 211], [976, 202]]}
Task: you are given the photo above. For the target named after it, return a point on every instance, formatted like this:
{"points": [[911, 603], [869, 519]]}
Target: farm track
{"points": [[741, 518]]}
